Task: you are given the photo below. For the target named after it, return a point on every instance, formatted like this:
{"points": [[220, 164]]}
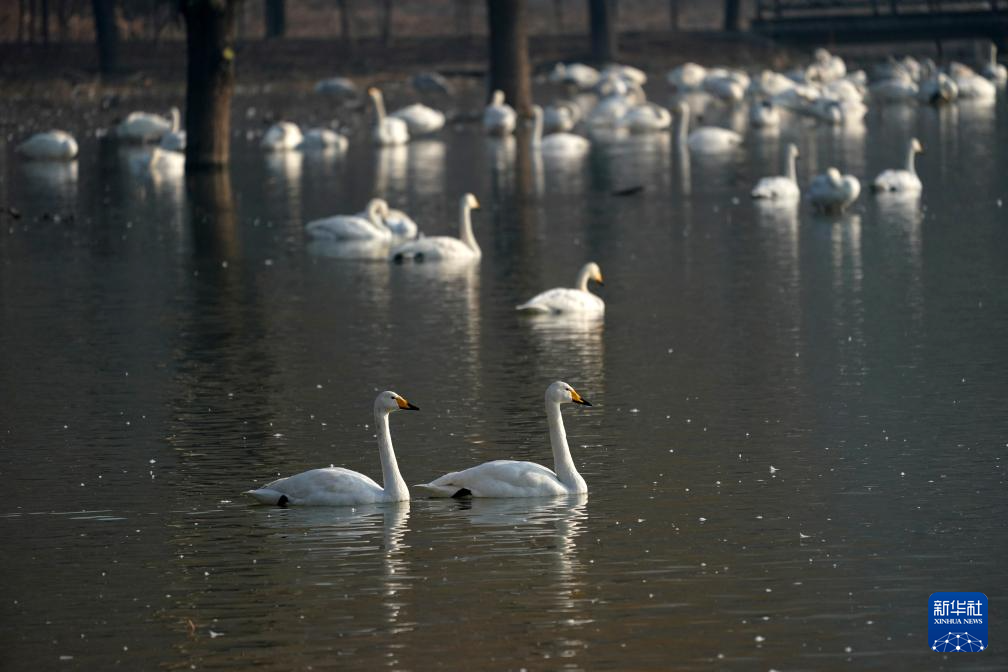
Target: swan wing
{"points": [[500, 478], [776, 188], [432, 249], [564, 300], [344, 227], [332, 486]]}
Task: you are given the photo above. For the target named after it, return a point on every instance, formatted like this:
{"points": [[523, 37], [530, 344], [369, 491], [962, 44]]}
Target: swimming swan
{"points": [[555, 143], [567, 300], [509, 478], [781, 187], [904, 181], [147, 127], [706, 139], [366, 227], [281, 136], [499, 118], [323, 139], [832, 192], [420, 119], [49, 146], [445, 248], [387, 130], [336, 486]]}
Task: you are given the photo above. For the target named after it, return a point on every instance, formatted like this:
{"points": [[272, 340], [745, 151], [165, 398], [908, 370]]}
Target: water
{"points": [[798, 429]]}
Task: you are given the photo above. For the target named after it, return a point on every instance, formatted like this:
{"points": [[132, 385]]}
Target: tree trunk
{"points": [[210, 31], [45, 21], [274, 18], [386, 34], [604, 37], [106, 35], [21, 20], [346, 25], [731, 16], [509, 62]]}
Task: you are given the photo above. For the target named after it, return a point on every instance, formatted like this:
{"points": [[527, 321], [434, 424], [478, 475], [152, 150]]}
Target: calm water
{"points": [[164, 349]]}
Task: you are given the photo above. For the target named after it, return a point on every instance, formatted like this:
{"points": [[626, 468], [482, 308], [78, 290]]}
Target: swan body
{"points": [[562, 116], [388, 131], [281, 136], [769, 83], [895, 89], [368, 227], [420, 119], [994, 71], [903, 181], [322, 139], [608, 112], [647, 118], [938, 88], [627, 73], [555, 143], [174, 141], [569, 300], [782, 188], [725, 87], [764, 115], [971, 85], [148, 127], [341, 87], [706, 139], [686, 77], [833, 192], [499, 118], [445, 248], [510, 478], [336, 486], [577, 74], [49, 146], [400, 224]]}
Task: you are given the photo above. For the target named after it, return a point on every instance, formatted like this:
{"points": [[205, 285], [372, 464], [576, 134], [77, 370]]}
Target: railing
{"points": [[787, 9]]}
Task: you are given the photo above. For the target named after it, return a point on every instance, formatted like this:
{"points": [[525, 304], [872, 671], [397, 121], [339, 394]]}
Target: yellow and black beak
{"points": [[578, 399], [599, 281], [405, 405]]}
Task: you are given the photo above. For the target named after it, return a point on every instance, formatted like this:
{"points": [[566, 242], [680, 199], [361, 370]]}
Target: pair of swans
{"points": [[336, 486], [378, 223], [285, 135], [52, 145]]}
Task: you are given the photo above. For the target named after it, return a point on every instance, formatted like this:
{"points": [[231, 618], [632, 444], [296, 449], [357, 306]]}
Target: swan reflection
{"points": [[50, 180], [427, 166], [391, 163], [564, 341]]}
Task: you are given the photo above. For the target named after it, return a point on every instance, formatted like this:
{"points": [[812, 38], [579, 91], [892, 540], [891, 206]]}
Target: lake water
{"points": [[798, 430]]}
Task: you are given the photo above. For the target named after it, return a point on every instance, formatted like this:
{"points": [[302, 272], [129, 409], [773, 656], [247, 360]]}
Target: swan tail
{"points": [[267, 496], [435, 490], [762, 193], [529, 307]]}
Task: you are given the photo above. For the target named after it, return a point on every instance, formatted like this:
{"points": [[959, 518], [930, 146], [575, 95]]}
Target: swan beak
{"points": [[598, 279], [406, 406], [578, 399]]}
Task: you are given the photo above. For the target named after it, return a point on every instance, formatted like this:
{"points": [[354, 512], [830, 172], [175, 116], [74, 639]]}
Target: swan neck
{"points": [[374, 216], [465, 226], [392, 481], [563, 464], [537, 128], [582, 279], [911, 167], [176, 121], [792, 169], [379, 105], [682, 124]]}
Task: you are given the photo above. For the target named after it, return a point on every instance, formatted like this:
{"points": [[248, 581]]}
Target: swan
{"points": [[725, 87], [994, 71], [898, 88], [576, 74], [509, 478], [147, 127], [323, 139], [938, 88], [903, 181], [764, 115], [499, 118], [173, 141], [706, 139], [832, 192], [336, 486], [398, 222], [561, 116], [281, 136], [49, 146], [781, 188], [340, 87], [555, 143], [358, 227], [567, 300], [612, 107], [971, 85], [420, 119], [769, 83], [646, 118], [627, 73], [387, 130], [445, 248], [686, 77]]}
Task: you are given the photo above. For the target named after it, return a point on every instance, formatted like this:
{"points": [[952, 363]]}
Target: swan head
{"points": [[916, 146], [594, 272], [469, 201], [374, 92], [498, 98], [389, 402], [792, 150], [682, 109], [562, 393], [378, 207]]}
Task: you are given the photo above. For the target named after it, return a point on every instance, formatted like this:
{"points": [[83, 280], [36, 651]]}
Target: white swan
{"points": [[764, 114], [49, 146], [323, 139], [340, 87], [561, 116], [509, 478], [567, 300], [646, 118], [368, 226], [173, 141], [706, 139], [398, 222], [832, 192], [971, 85], [899, 88], [336, 486], [420, 119], [281, 136], [994, 71], [904, 181], [555, 143], [576, 74], [686, 77], [387, 130], [499, 118], [781, 188], [445, 248], [938, 88], [147, 127]]}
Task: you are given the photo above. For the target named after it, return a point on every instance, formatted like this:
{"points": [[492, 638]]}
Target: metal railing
{"points": [[785, 9]]}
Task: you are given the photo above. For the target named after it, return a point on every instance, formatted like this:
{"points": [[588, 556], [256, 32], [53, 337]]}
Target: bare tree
{"points": [[731, 16], [106, 35], [274, 18], [509, 62], [210, 51], [604, 37], [386, 34], [346, 25]]}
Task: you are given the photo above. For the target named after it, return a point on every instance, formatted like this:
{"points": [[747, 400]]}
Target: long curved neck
{"points": [[392, 482], [374, 216], [582, 279], [379, 105], [563, 464], [176, 120], [682, 125], [537, 128], [792, 169], [465, 227], [911, 168]]}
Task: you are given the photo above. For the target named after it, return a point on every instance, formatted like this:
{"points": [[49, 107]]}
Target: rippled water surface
{"points": [[798, 430]]}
